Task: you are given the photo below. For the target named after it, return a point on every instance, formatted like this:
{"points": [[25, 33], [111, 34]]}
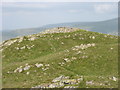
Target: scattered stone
{"points": [[38, 65], [66, 60], [32, 38], [20, 70], [111, 48], [22, 47], [78, 52], [62, 43], [47, 65], [114, 78], [28, 73], [82, 46], [9, 72], [62, 63], [84, 56], [67, 50], [89, 82], [17, 48], [27, 67], [105, 35], [93, 37], [74, 58]]}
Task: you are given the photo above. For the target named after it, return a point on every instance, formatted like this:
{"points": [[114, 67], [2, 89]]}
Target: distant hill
{"points": [[101, 26], [108, 26], [61, 58]]}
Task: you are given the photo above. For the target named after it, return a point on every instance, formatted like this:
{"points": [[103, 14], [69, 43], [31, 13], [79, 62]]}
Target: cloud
{"points": [[73, 11], [26, 5], [103, 8], [60, 1], [17, 13]]}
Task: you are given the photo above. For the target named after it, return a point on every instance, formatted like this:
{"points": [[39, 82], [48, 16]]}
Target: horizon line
{"points": [[59, 23]]}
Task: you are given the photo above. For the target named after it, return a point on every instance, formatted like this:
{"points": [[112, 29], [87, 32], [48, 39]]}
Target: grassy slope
{"points": [[101, 61]]}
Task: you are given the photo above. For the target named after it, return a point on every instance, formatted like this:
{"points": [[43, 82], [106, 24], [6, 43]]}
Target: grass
{"points": [[101, 61]]}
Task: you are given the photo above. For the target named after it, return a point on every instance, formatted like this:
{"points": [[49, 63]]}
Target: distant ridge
{"points": [[107, 26]]}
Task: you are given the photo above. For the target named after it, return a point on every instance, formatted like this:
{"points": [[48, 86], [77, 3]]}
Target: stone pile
{"points": [[60, 30], [62, 82]]}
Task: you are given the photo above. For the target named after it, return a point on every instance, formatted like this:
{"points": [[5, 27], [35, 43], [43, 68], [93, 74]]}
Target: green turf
{"points": [[101, 59]]}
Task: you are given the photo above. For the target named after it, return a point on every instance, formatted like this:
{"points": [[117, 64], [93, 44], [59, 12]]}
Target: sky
{"points": [[18, 15]]}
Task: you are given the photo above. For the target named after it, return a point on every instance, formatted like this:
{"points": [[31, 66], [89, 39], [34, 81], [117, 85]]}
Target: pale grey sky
{"points": [[35, 14]]}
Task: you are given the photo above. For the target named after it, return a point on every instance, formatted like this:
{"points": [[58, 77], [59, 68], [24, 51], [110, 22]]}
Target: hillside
{"points": [[108, 26], [61, 57]]}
